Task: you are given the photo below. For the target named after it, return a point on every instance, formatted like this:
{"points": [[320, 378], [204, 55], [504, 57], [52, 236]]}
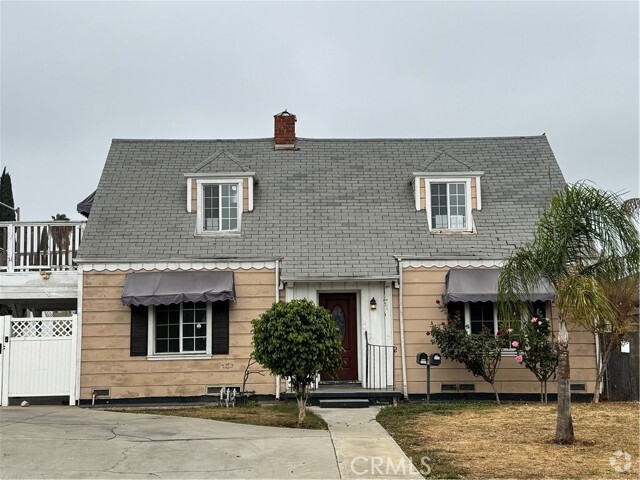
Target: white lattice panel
{"points": [[41, 328]]}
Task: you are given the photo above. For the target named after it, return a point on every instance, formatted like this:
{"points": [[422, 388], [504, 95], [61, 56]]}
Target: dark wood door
{"points": [[342, 307]]}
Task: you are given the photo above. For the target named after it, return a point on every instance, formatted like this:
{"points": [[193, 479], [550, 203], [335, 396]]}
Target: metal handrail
{"points": [[378, 376]]}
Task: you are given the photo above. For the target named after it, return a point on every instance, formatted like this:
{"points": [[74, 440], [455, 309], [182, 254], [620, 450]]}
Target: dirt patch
{"points": [[278, 415], [516, 441]]}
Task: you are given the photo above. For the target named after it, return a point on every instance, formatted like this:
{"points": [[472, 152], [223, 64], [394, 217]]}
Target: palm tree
{"points": [[584, 237]]}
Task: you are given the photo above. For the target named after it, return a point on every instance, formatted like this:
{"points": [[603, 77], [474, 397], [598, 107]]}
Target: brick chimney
{"points": [[284, 137]]}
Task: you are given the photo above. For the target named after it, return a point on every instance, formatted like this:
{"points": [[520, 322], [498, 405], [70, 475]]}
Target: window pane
{"points": [[439, 205], [167, 328], [211, 212], [456, 309], [458, 209], [481, 314], [229, 198], [194, 326]]}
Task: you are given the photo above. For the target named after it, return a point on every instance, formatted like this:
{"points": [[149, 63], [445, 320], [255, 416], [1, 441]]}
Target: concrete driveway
{"points": [[71, 442]]}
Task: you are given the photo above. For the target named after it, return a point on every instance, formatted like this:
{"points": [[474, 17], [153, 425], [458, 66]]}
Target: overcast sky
{"points": [[76, 75]]}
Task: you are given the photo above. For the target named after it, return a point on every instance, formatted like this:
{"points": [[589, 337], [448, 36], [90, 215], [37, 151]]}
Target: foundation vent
{"points": [[578, 387], [458, 387], [102, 392]]}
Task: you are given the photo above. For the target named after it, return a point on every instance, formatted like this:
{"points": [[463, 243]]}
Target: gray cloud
{"points": [[75, 75]]}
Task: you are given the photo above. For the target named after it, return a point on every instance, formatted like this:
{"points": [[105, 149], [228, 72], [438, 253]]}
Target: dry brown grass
{"points": [[516, 441]]}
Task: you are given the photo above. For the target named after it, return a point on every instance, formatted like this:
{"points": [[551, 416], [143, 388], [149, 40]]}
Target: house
{"points": [[189, 240]]}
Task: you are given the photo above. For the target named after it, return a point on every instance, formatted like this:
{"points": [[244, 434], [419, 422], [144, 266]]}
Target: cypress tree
{"points": [[6, 197]]}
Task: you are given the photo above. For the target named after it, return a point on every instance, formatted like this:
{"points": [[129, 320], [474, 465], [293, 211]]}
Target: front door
{"points": [[342, 307]]}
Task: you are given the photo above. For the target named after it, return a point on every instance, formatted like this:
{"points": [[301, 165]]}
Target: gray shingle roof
{"points": [[331, 208]]}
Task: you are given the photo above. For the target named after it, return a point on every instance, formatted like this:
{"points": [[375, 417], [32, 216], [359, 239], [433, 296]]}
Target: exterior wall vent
{"points": [[458, 387], [578, 387], [102, 392]]}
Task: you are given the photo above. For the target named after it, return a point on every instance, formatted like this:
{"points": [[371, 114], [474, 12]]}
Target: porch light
{"points": [[373, 303]]}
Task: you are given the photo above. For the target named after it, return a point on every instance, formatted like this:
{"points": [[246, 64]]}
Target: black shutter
{"points": [[220, 327], [139, 330]]}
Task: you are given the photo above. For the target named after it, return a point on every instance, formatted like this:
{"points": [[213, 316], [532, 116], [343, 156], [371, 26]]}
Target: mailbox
{"points": [[422, 359], [435, 359]]}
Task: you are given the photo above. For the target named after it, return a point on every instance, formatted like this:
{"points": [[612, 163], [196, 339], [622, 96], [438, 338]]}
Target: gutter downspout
{"points": [[403, 359], [277, 298]]}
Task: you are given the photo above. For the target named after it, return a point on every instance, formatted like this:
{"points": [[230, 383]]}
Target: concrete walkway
{"points": [[363, 448], [71, 442]]}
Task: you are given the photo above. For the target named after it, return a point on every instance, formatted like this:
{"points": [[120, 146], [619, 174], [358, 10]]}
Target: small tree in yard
{"points": [[298, 340], [537, 351], [479, 353], [623, 299]]}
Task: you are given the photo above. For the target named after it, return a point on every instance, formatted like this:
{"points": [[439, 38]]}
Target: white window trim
{"points": [[201, 183], [448, 180], [151, 338]]}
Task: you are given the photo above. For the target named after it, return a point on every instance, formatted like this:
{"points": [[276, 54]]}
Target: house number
{"points": [[227, 366]]}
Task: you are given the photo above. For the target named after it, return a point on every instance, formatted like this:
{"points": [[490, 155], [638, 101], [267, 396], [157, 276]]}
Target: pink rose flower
{"points": [[514, 344], [534, 320], [539, 322], [509, 330], [519, 359]]}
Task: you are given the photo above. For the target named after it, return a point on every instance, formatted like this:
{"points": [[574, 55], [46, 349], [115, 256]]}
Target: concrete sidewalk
{"points": [[363, 448], [71, 442]]}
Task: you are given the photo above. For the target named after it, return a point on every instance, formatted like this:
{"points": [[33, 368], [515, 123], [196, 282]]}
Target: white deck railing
{"points": [[37, 246]]}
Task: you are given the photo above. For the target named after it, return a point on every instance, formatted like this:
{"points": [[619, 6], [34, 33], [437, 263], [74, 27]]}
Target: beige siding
{"points": [[106, 362], [194, 196], [245, 195], [474, 200], [422, 287]]}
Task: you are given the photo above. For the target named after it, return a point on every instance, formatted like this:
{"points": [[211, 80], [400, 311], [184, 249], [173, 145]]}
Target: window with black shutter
{"points": [[139, 330], [220, 327]]}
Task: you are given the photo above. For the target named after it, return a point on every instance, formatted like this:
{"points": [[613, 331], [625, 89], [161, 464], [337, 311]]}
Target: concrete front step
{"points": [[344, 403]]}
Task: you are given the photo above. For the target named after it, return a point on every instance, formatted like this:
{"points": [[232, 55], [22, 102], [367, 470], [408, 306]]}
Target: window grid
{"points": [[220, 207], [449, 206], [181, 328]]}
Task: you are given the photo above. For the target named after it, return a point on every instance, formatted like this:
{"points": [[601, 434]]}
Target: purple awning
{"points": [[164, 288], [481, 285]]}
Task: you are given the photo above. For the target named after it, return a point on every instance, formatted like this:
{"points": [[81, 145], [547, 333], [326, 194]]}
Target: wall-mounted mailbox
{"points": [[435, 359], [422, 359]]}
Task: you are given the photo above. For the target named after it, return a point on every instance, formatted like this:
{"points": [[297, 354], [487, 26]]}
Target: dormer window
{"points": [[449, 206], [219, 200], [449, 199], [220, 213], [219, 205]]}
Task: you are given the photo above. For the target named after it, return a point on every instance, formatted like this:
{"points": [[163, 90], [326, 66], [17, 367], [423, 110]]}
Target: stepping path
{"points": [[363, 448]]}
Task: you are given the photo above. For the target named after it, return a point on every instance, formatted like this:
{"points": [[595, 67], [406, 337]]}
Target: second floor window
{"points": [[220, 207], [449, 206]]}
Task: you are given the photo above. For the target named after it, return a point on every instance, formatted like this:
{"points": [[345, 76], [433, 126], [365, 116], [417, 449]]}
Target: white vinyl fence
{"points": [[38, 357]]}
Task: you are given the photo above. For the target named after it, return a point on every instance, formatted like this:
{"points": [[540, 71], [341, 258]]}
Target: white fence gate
{"points": [[38, 357]]}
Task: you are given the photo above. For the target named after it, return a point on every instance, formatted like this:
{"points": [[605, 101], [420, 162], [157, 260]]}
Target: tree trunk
{"points": [[603, 368], [564, 422], [546, 397], [496, 394], [541, 391], [301, 398]]}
